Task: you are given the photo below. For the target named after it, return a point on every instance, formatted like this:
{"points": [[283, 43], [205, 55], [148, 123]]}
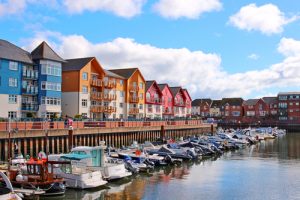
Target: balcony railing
{"points": [[30, 107], [30, 74], [103, 109], [133, 88], [97, 82], [96, 96], [133, 111], [109, 97], [31, 90], [134, 99], [154, 100], [109, 84], [179, 103]]}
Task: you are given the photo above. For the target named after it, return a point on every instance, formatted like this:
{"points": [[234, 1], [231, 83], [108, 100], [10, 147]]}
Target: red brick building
{"points": [[289, 107], [232, 109], [201, 107]]}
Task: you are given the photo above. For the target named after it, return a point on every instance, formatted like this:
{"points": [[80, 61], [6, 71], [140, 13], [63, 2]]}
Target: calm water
{"points": [[269, 170]]}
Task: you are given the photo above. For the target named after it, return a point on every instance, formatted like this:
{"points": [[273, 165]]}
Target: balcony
{"points": [[134, 88], [96, 109], [180, 103], [110, 84], [133, 99], [109, 109], [96, 82], [30, 90], [167, 111], [154, 100], [30, 74], [133, 111], [96, 96], [109, 97], [30, 106]]}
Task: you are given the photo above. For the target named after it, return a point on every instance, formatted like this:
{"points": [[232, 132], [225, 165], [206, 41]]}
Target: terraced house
{"points": [[89, 90], [134, 92], [167, 101], [179, 101], [30, 83], [153, 101]]}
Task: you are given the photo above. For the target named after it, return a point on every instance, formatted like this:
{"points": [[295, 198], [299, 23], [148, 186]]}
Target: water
{"points": [[268, 170]]}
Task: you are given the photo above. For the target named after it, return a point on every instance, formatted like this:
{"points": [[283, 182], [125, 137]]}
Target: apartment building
{"points": [[153, 101], [167, 101], [179, 100], [289, 106]]}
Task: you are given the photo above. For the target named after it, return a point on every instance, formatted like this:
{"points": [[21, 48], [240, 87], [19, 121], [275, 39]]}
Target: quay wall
{"points": [[30, 142], [290, 127]]}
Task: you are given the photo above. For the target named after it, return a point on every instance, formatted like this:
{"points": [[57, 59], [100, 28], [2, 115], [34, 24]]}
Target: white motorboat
{"points": [[111, 168], [72, 168]]}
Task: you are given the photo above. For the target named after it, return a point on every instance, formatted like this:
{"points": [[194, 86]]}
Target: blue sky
{"points": [[215, 48]]}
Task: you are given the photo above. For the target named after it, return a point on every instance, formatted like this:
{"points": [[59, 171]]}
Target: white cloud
{"points": [[200, 72], [253, 56], [191, 9], [12, 7], [126, 8], [289, 47], [266, 18]]}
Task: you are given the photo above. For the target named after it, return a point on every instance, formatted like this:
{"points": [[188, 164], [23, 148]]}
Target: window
{"points": [[51, 86], [13, 65], [141, 96], [122, 93], [12, 99], [121, 82], [121, 116], [282, 97], [51, 68], [291, 104], [13, 82], [121, 105], [84, 89], [141, 106], [291, 110], [85, 76], [148, 96], [51, 101], [84, 103], [141, 85], [12, 114], [297, 104]]}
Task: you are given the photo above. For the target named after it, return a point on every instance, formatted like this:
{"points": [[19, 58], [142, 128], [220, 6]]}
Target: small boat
{"points": [[37, 176], [71, 167], [165, 151], [6, 189], [110, 168]]}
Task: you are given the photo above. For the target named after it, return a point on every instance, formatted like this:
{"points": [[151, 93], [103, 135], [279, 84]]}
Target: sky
{"points": [[214, 48]]}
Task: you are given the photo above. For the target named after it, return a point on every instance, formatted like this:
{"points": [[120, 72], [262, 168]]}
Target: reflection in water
{"points": [[268, 170]]}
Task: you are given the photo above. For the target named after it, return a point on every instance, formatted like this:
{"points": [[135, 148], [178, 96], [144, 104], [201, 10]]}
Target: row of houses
{"points": [[44, 85], [285, 107]]}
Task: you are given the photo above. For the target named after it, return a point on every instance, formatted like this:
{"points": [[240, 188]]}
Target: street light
{"points": [[258, 123]]}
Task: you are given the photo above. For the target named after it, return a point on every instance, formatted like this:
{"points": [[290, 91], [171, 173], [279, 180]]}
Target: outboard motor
{"points": [[149, 163]]}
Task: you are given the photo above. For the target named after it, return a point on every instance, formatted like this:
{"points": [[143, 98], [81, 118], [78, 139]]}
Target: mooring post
{"points": [[162, 132], [70, 138], [212, 128]]}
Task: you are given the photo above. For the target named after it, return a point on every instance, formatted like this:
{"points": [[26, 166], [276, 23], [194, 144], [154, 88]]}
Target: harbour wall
{"points": [[53, 141]]}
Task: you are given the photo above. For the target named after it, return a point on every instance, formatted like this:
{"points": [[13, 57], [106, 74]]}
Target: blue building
{"points": [[30, 83]]}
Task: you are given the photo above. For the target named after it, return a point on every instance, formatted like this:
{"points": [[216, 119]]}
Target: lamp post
{"points": [[239, 124], [258, 123]]}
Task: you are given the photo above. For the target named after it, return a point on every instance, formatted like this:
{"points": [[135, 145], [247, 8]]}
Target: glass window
{"points": [[13, 82], [12, 99], [121, 82], [121, 105], [50, 86], [84, 89], [84, 103], [141, 85], [85, 76], [141, 96], [141, 106], [12, 114], [122, 93], [13, 65]]}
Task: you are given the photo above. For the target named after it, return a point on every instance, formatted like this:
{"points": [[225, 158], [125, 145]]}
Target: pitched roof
{"points": [[10, 51], [44, 51], [175, 90], [198, 102], [76, 64], [232, 101], [111, 74], [216, 103], [288, 93], [149, 84], [250, 102], [126, 72], [187, 92], [270, 100], [162, 86]]}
